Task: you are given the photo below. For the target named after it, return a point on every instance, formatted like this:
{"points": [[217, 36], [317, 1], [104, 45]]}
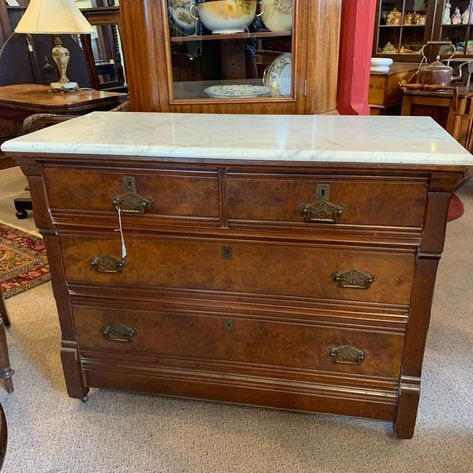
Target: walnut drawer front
{"points": [[380, 275], [170, 192], [360, 200], [260, 342]]}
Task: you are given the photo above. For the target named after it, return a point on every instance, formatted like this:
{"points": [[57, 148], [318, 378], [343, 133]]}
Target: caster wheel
{"points": [[85, 399], [21, 215]]}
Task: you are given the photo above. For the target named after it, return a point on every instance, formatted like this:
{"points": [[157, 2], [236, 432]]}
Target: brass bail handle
{"points": [[132, 203], [119, 333]]}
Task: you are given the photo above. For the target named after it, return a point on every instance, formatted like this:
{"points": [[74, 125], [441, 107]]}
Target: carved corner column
{"points": [[428, 257], [73, 374]]}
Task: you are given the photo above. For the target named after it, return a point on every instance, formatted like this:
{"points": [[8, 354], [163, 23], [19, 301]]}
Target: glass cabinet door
{"points": [[231, 49], [403, 26]]}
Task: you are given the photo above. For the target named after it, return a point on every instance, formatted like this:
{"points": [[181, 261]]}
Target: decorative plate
{"points": [[277, 76], [181, 19], [237, 91]]}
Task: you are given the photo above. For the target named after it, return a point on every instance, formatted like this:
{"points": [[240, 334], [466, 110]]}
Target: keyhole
{"points": [[322, 191], [228, 325], [227, 252], [129, 182]]}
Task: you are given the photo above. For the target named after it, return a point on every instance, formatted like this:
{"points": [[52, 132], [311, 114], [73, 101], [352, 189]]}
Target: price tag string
{"points": [[122, 237]]}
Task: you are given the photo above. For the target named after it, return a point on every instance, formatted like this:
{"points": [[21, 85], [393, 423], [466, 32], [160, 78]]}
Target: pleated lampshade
{"points": [[53, 17]]}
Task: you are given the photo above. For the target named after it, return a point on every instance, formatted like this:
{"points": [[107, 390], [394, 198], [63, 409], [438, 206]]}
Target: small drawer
{"points": [[377, 90], [369, 274], [244, 340], [158, 193], [308, 201]]}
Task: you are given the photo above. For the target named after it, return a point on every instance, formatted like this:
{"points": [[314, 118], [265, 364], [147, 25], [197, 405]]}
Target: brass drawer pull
{"points": [[347, 355], [321, 211], [132, 203], [119, 333], [354, 279], [107, 264]]}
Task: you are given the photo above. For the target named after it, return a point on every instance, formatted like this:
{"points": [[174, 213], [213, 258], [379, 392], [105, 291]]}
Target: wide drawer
{"points": [[240, 340], [311, 200], [170, 192], [348, 273]]}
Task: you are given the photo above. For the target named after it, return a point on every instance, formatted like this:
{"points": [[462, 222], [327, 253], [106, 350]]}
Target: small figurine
{"points": [[394, 18], [446, 20], [466, 16], [389, 48], [421, 20], [409, 18], [456, 17]]}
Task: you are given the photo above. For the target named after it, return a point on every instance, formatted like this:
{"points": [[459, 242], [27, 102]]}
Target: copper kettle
{"points": [[437, 73]]}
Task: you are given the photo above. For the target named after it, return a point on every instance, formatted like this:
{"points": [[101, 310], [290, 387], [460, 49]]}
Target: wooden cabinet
{"points": [[171, 66], [403, 26], [461, 35], [385, 96], [297, 282]]}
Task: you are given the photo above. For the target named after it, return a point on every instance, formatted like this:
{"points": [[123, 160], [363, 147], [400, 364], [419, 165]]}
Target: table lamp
{"points": [[55, 17]]}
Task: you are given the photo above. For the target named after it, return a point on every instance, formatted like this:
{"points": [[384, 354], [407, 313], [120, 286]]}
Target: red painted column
{"points": [[356, 45]]}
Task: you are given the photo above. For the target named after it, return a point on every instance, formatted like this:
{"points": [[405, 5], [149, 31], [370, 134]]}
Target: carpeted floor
{"points": [[120, 432]]}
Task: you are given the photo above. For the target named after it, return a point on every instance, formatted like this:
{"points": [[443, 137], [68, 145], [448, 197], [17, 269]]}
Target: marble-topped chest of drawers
{"points": [[291, 269]]}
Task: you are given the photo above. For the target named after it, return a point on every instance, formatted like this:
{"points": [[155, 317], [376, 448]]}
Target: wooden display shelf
{"points": [[401, 26], [215, 37]]}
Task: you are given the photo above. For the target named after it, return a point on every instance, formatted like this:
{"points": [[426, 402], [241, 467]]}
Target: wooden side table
{"points": [[451, 110], [385, 96], [19, 101]]}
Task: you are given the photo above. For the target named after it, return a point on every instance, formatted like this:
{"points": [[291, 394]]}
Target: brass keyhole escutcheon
{"points": [[227, 252], [228, 325]]}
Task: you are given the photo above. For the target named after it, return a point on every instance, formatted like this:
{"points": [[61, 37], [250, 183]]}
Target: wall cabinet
{"points": [[191, 58], [403, 26]]}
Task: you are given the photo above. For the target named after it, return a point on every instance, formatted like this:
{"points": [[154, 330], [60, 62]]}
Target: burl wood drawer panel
{"points": [[209, 336], [362, 200], [247, 267], [172, 192]]}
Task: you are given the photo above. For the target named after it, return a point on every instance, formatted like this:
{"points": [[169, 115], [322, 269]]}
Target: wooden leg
{"points": [[406, 105], [75, 384], [3, 312], [22, 205], [409, 395], [5, 370]]}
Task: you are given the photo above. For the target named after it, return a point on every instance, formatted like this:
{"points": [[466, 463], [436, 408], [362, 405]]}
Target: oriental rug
{"points": [[23, 261]]}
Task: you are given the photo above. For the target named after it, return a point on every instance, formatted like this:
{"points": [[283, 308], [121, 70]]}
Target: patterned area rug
{"points": [[23, 261]]}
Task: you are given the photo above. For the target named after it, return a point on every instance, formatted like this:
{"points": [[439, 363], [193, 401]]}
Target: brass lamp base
{"points": [[61, 58], [62, 87]]}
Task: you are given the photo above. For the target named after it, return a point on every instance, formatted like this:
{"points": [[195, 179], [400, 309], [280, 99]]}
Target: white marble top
{"points": [[294, 138]]}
